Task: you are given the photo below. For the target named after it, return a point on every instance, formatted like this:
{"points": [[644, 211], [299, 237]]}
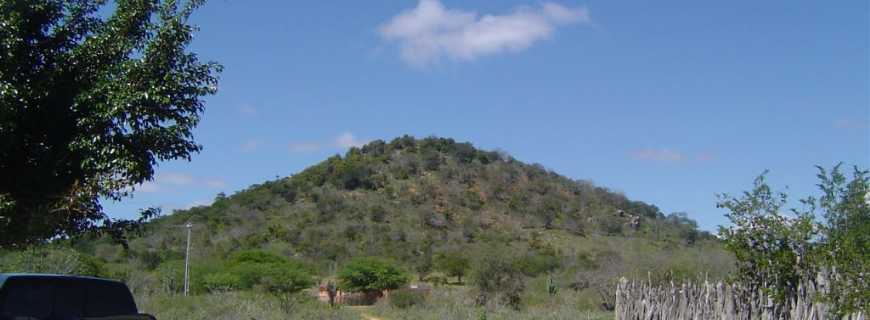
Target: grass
{"points": [[240, 305], [445, 303], [456, 302]]}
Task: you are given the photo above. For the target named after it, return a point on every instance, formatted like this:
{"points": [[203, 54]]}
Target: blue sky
{"points": [[669, 102]]}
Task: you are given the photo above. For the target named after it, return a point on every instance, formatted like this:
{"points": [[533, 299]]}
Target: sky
{"points": [[668, 102]]}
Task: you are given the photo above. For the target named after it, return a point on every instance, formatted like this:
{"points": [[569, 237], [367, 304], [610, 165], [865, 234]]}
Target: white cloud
{"points": [[304, 147], [706, 156], [177, 179], [347, 140], [196, 203], [248, 110], [430, 31], [851, 124], [174, 181], [342, 141], [658, 155], [666, 155], [214, 183], [250, 145], [171, 207], [148, 187]]}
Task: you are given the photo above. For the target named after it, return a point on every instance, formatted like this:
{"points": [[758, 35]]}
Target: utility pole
{"points": [[189, 226]]}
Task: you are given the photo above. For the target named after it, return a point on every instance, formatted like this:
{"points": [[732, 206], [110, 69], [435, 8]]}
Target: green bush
{"points": [[534, 264], [286, 279], [453, 264], [271, 272], [496, 277], [436, 279], [255, 256], [371, 274], [52, 260], [222, 281]]}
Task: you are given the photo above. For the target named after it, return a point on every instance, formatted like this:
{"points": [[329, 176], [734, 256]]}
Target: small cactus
{"points": [[552, 288]]}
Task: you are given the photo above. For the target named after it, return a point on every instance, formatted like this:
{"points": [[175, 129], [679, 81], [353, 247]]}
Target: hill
{"points": [[411, 199]]}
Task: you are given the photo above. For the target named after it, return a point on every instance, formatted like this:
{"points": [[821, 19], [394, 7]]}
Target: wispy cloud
{"points": [[171, 207], [177, 179], [214, 183], [174, 181], [342, 141], [430, 32], [248, 110], [196, 203], [148, 187], [658, 155], [852, 124], [250, 145], [305, 147], [666, 155], [347, 140], [705, 156]]}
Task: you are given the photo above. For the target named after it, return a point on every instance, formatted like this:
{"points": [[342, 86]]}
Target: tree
{"points": [[453, 264], [773, 250], [610, 266], [845, 247], [247, 269], [369, 274], [498, 278], [57, 260], [89, 104]]}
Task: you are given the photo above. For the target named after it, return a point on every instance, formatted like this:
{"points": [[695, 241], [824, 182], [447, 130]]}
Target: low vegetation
{"points": [[495, 235]]}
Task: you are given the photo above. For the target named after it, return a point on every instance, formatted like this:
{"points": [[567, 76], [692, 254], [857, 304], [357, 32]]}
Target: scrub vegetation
{"points": [[483, 229]]}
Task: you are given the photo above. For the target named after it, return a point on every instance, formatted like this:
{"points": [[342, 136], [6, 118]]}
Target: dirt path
{"points": [[365, 315], [369, 317]]}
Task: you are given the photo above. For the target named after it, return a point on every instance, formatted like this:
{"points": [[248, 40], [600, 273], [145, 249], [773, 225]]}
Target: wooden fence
{"points": [[715, 301]]}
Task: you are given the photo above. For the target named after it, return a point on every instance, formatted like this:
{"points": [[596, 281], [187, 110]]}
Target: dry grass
{"points": [[456, 303], [241, 305]]}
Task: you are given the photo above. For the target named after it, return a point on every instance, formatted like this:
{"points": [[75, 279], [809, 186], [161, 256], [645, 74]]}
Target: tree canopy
{"points": [[89, 103], [371, 274], [453, 264], [776, 250]]}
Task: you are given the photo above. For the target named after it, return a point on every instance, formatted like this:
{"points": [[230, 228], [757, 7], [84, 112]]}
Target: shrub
{"points": [[222, 281], [453, 264], [534, 264], [255, 256], [281, 279], [436, 279], [371, 274], [273, 273], [406, 298], [498, 278], [52, 260]]}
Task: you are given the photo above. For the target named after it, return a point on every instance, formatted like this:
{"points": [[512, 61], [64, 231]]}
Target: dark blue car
{"points": [[56, 297]]}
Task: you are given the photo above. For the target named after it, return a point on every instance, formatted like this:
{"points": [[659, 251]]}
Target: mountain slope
{"points": [[409, 199]]}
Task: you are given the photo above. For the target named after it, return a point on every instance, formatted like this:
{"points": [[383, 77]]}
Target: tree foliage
{"points": [[243, 270], [497, 278], [89, 103], [453, 263], [772, 248], [776, 251], [845, 246], [368, 274], [51, 260]]}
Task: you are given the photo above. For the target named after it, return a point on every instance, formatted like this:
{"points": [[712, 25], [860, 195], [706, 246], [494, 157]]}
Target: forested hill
{"points": [[405, 199]]}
